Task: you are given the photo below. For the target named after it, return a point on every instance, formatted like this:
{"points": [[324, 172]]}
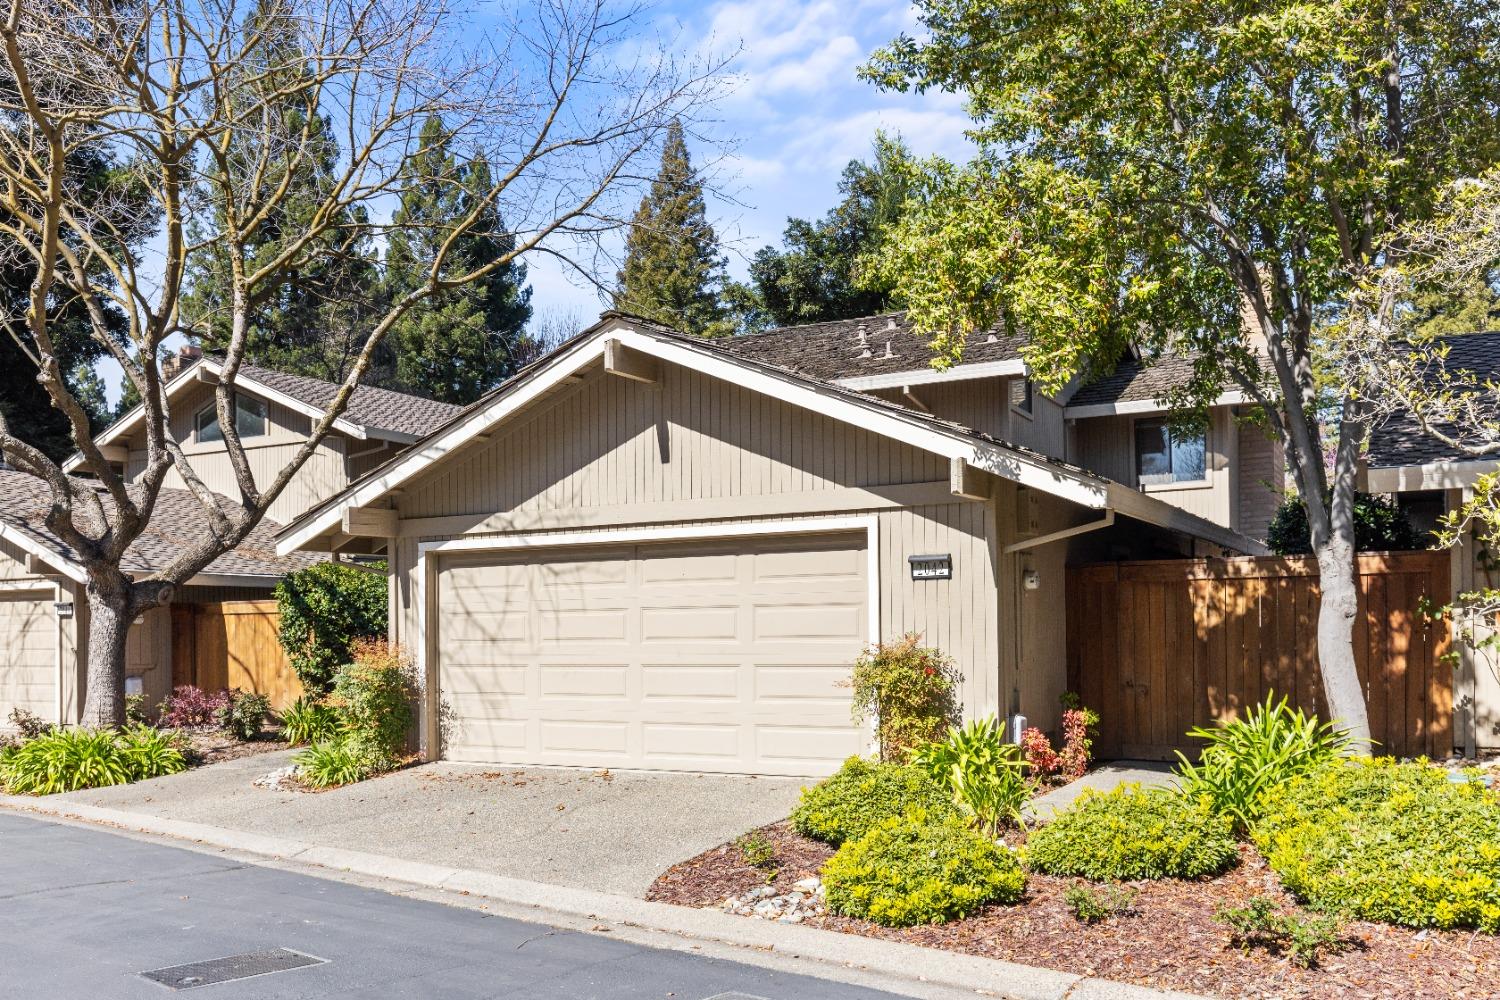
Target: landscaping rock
{"points": [[804, 900], [283, 779]]}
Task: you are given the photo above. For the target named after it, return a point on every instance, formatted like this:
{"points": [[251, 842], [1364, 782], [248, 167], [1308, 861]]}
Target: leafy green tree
{"points": [[674, 271], [813, 277], [1472, 307], [457, 345], [1379, 526], [1204, 175], [325, 611]]}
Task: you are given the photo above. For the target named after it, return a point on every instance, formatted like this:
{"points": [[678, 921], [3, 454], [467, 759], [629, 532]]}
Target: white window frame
{"points": [[1183, 484], [240, 400]]}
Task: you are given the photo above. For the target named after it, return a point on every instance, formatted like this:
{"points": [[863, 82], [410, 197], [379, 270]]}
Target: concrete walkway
{"points": [[1105, 778], [611, 832]]}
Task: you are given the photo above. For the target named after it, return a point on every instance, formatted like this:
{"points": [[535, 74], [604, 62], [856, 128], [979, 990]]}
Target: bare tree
{"points": [[562, 99]]}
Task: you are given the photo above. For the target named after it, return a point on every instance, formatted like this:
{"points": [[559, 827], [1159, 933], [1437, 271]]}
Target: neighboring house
{"points": [[1429, 479], [652, 551], [43, 608]]}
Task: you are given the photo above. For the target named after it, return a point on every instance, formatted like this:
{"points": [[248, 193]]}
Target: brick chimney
{"points": [[186, 356]]}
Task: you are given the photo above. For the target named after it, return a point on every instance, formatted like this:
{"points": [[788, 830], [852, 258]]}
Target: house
{"points": [[1429, 479], [43, 608], [652, 551]]}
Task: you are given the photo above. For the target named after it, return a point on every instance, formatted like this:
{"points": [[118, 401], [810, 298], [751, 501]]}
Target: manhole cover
{"points": [[224, 970]]}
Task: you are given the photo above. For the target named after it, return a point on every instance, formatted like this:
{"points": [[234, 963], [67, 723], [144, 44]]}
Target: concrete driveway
{"points": [[593, 830]]}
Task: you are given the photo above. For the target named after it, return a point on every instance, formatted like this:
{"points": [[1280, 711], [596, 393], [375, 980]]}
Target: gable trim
{"points": [[31, 546], [927, 376], [1233, 397]]}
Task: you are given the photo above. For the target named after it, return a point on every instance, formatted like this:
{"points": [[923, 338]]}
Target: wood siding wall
{"points": [[1262, 480], [1160, 647], [1107, 446], [232, 645]]}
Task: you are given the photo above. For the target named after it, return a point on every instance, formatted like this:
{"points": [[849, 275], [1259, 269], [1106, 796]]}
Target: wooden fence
{"points": [[232, 644], [1160, 647]]}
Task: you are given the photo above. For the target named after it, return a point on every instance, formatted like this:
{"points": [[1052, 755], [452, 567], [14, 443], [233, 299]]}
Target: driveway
{"points": [[86, 912], [586, 829]]}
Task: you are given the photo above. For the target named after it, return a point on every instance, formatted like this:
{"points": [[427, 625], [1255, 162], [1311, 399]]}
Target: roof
{"points": [[726, 360], [834, 351], [177, 520], [1400, 441], [1134, 380], [369, 406]]}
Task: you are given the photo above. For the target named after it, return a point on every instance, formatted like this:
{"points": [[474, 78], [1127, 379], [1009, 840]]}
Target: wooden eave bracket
{"points": [[630, 363], [967, 482], [370, 522]]}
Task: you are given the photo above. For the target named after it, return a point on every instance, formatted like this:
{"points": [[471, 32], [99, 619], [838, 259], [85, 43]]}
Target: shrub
{"points": [[757, 851], [1132, 833], [135, 710], [982, 771], [189, 707], [332, 762], [243, 714], [1092, 905], [915, 869], [373, 697], [1378, 840], [1072, 761], [308, 720], [1262, 924], [1247, 757], [64, 760], [861, 795], [910, 692], [325, 610], [28, 724], [1379, 526]]}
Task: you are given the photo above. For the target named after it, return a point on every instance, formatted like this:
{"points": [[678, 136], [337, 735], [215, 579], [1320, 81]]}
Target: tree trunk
{"points": [[109, 624], [1337, 609]]}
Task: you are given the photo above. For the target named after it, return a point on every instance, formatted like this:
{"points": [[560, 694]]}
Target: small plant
{"points": [[1095, 905], [1133, 833], [64, 760], [28, 724], [1262, 924], [308, 720], [982, 771], [757, 851], [861, 795], [915, 869], [373, 697], [1072, 761], [190, 707], [325, 611], [135, 710], [1246, 758], [910, 692], [331, 763], [244, 714], [151, 753]]}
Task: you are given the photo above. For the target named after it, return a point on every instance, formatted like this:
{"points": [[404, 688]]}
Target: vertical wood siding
{"points": [[1261, 481], [1107, 446]]}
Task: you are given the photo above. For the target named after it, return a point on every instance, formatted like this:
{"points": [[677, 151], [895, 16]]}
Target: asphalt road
{"points": [[84, 912]]}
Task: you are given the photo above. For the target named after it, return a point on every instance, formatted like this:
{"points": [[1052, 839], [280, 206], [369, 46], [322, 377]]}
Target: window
{"points": [[1020, 394], [1165, 455], [249, 420]]}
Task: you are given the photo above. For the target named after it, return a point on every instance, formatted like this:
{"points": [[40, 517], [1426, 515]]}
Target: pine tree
{"points": [[459, 344], [674, 271]]}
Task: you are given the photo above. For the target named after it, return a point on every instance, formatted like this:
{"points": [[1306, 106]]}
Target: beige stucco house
{"points": [[43, 607], [652, 551]]}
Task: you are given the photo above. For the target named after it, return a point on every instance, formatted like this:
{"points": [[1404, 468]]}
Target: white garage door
{"points": [[28, 655], [727, 656]]}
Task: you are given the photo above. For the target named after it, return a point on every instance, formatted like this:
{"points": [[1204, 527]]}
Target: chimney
{"points": [[174, 364]]}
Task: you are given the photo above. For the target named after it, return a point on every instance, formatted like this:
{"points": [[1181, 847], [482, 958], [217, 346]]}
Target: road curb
{"points": [[902, 962]]}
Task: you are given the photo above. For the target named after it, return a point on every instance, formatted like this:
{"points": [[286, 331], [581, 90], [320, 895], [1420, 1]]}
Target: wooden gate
{"points": [[232, 644], [1160, 647]]}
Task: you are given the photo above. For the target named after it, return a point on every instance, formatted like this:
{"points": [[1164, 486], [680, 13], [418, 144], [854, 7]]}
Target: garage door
{"points": [[723, 657], [28, 655]]}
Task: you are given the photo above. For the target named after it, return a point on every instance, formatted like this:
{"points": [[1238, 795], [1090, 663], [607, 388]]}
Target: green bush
{"points": [[1248, 757], [909, 690], [308, 720], [1379, 526], [914, 869], [1262, 924], [64, 760], [373, 699], [863, 794], [983, 771], [325, 610], [1132, 833], [1092, 905], [333, 762], [243, 714], [1378, 840]]}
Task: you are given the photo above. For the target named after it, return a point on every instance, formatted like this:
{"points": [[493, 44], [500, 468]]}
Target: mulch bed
{"points": [[213, 746], [1169, 940]]}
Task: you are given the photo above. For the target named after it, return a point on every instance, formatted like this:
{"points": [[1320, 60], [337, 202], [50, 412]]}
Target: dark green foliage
{"points": [[863, 794], [674, 270], [325, 609], [1132, 833], [1379, 526], [1262, 924], [458, 344], [309, 719], [1378, 840], [64, 760], [757, 851], [244, 713], [915, 869], [1093, 905]]}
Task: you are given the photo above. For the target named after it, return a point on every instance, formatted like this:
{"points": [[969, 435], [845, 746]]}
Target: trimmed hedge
{"points": [[325, 610], [1133, 833], [862, 795], [1378, 840], [916, 869]]}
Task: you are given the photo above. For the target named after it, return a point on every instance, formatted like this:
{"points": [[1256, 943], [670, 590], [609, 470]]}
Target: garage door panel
{"points": [[725, 657]]}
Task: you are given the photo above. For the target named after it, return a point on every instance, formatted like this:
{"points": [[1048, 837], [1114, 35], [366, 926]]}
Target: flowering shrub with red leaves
{"points": [[1072, 761], [190, 707]]}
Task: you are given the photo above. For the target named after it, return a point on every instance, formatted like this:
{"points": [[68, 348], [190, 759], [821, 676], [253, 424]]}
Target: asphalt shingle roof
{"points": [[383, 409], [1400, 440], [1134, 380], [176, 520]]}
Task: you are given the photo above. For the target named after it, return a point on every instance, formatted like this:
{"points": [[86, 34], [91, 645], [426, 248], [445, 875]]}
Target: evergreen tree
{"points": [[815, 276], [674, 272], [312, 322], [1444, 312], [459, 344]]}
